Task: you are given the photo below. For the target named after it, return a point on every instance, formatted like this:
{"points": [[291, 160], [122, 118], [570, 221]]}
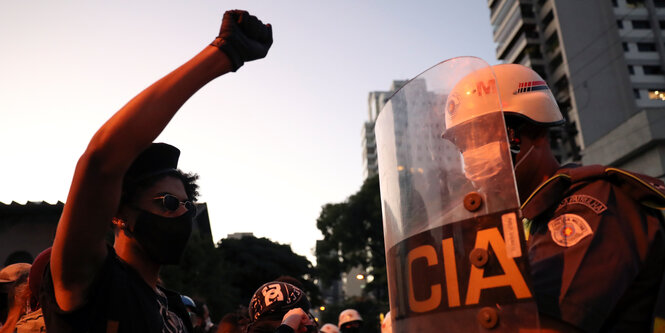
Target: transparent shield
{"points": [[455, 251]]}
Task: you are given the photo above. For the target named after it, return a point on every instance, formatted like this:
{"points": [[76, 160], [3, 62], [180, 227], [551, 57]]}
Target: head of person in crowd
{"points": [[271, 303], [14, 293], [387, 324], [154, 220], [36, 275], [329, 328], [350, 321], [233, 322], [203, 322], [190, 305]]}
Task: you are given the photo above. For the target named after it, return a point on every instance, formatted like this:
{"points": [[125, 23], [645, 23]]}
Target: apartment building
{"points": [[603, 60]]}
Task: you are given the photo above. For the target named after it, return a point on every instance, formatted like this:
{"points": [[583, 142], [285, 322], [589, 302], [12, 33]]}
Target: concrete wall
{"points": [[596, 64]]}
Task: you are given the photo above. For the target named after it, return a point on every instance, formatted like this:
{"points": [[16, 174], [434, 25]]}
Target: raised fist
{"points": [[243, 37]]}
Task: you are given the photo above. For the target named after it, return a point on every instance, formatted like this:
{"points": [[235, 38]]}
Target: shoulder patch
{"points": [[586, 200], [568, 229]]}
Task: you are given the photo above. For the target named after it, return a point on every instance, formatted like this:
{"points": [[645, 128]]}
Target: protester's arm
{"points": [[79, 248]]}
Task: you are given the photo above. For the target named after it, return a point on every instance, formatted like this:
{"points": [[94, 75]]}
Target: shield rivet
{"points": [[478, 257], [488, 318], [473, 201]]}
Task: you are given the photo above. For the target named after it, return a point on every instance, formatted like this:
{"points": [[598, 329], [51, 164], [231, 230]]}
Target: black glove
{"points": [[243, 37]]}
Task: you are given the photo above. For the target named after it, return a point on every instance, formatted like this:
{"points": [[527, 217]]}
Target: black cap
{"points": [[276, 298], [157, 159]]}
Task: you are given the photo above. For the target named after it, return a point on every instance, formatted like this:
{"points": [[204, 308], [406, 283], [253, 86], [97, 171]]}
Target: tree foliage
{"points": [[225, 276], [353, 237]]}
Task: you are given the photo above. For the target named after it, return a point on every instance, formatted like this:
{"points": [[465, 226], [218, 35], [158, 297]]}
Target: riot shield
{"points": [[455, 247]]}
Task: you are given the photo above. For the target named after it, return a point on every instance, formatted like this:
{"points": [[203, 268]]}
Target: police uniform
{"points": [[596, 244]]}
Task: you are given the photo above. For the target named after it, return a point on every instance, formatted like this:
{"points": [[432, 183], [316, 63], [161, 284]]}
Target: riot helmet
{"points": [[350, 321], [329, 328]]}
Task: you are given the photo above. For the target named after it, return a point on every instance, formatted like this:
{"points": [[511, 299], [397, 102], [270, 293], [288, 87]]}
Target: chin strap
{"points": [[523, 158]]}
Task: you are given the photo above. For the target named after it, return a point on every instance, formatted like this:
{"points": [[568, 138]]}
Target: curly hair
{"points": [[130, 189]]}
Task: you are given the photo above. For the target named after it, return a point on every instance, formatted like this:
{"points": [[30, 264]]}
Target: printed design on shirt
{"points": [[171, 322], [569, 229], [586, 200]]}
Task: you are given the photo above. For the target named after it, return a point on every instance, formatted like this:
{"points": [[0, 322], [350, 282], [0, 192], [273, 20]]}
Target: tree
{"points": [[255, 261], [225, 276], [353, 237]]}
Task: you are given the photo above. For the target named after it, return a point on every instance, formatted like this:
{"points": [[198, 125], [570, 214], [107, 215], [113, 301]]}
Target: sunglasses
{"points": [[171, 203]]}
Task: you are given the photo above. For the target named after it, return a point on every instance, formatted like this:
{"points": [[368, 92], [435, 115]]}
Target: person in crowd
{"points": [[387, 324], [14, 295], [595, 237], [190, 305], [350, 321], [329, 328], [33, 320], [280, 307], [125, 181], [202, 324], [234, 322]]}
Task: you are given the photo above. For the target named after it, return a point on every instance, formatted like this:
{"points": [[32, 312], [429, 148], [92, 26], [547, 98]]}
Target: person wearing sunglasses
{"points": [[126, 183]]}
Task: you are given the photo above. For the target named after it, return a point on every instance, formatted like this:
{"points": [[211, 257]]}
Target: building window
{"points": [[652, 70], [494, 6], [646, 47], [636, 93], [530, 31], [658, 94], [641, 24], [556, 62], [625, 46], [631, 70], [526, 10], [620, 24], [635, 3], [552, 42], [540, 69], [520, 57], [548, 18], [533, 51], [562, 84]]}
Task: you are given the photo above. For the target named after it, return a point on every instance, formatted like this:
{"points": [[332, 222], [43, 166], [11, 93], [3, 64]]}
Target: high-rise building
{"points": [[604, 61], [376, 101]]}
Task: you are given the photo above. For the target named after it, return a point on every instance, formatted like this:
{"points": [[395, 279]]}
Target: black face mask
{"points": [[164, 238], [353, 327], [350, 330]]}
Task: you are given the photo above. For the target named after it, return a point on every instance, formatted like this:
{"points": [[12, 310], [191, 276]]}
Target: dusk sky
{"points": [[272, 143]]}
